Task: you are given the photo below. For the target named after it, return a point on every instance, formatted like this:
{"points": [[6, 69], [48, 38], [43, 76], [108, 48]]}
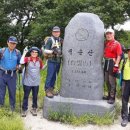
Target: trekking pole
{"points": [[19, 93]]}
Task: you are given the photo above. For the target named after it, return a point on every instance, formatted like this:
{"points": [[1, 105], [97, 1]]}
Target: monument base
{"points": [[75, 106]]}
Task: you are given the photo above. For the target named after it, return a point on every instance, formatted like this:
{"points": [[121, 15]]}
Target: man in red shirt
{"points": [[112, 56]]}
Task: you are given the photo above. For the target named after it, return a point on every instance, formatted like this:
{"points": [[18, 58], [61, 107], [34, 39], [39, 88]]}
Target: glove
{"points": [[25, 50], [19, 67], [56, 51], [115, 69]]}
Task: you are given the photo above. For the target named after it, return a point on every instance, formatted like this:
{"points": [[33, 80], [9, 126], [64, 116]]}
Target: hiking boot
{"points": [[124, 122], [34, 112], [111, 101], [49, 93], [105, 97], [24, 113], [53, 92]]}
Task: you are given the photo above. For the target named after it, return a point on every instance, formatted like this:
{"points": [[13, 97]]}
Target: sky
{"points": [[125, 26]]}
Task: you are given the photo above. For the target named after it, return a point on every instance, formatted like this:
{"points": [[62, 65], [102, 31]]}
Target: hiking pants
{"points": [[27, 90], [6, 79], [52, 70], [110, 78], [125, 99]]}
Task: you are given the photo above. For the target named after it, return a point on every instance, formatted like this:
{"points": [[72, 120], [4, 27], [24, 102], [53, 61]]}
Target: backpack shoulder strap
{"points": [[17, 52], [3, 50], [26, 64]]}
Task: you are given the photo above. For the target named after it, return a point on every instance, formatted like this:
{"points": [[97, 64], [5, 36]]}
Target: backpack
{"points": [[46, 56]]}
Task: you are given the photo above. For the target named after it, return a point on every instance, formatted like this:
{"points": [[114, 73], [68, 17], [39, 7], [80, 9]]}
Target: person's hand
{"points": [[57, 51], [25, 50], [115, 69], [19, 69]]}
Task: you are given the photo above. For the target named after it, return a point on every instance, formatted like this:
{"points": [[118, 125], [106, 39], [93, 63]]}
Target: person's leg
{"points": [[112, 81], [35, 90], [107, 84], [54, 79], [2, 88], [125, 99], [50, 74], [26, 90], [11, 83], [56, 71]]}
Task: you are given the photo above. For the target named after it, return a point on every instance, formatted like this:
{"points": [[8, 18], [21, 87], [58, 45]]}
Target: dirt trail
{"points": [[39, 123]]}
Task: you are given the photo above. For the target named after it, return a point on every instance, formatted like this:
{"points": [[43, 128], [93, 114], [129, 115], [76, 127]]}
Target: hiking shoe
{"points": [[49, 93], [53, 92], [111, 101], [105, 97], [24, 113], [34, 112], [124, 122]]}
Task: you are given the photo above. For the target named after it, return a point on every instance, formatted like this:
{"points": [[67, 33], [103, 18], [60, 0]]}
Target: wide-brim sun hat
{"points": [[34, 49]]}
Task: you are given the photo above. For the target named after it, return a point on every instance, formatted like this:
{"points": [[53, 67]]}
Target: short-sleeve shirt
{"points": [[10, 59], [31, 76], [112, 49]]}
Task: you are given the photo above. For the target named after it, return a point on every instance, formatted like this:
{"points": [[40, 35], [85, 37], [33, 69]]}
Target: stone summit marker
{"points": [[82, 72]]}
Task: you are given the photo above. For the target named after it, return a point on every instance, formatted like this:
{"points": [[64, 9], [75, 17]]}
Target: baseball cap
{"points": [[109, 30], [56, 29], [13, 39]]}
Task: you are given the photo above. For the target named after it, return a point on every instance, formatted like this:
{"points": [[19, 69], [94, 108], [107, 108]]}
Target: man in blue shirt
{"points": [[9, 63]]}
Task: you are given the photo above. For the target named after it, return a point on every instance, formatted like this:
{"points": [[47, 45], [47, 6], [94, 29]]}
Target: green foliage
{"points": [[66, 116], [9, 121], [34, 19]]}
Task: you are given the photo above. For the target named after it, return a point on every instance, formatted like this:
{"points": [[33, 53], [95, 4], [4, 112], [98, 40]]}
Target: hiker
{"points": [[112, 56], [126, 89], [31, 78], [9, 64], [53, 50]]}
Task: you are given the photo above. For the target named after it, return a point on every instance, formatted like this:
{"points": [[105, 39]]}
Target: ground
{"points": [[40, 123]]}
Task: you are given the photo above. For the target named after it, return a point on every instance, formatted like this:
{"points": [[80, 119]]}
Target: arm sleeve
{"points": [[23, 60], [19, 58], [48, 49]]}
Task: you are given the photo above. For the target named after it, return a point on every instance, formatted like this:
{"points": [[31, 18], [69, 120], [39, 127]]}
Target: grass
{"points": [[69, 118], [10, 121], [66, 116]]}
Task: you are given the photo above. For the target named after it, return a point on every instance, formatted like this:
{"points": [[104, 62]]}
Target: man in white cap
{"points": [[112, 56]]}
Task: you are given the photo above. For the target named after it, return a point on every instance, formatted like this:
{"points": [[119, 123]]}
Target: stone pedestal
{"points": [[82, 72], [76, 106]]}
